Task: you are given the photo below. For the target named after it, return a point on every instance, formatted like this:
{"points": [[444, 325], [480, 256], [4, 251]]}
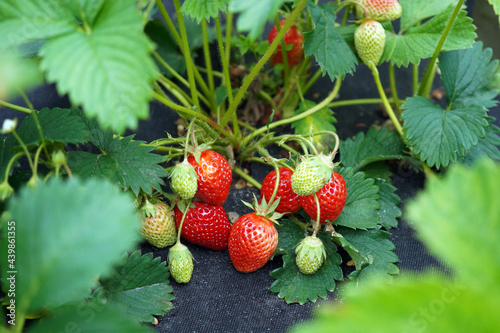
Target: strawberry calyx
{"points": [[265, 209]]}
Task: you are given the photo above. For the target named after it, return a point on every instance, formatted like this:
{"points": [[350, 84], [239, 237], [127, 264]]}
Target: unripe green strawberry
{"points": [[369, 40], [180, 263], [184, 180], [310, 255], [158, 224], [382, 10], [312, 173]]}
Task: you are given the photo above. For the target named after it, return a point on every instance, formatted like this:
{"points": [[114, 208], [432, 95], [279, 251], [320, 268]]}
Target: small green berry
{"points": [[180, 263], [310, 255]]}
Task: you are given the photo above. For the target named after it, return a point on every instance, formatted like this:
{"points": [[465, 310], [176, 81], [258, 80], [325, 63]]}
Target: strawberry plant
{"points": [[238, 78]]}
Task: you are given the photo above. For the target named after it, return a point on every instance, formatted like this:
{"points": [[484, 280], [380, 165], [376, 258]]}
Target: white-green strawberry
{"points": [[184, 180], [312, 173], [382, 10], [158, 224], [180, 263], [310, 255], [369, 40]]}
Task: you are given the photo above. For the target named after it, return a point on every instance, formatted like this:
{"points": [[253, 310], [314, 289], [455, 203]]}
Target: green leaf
{"points": [[439, 136], [374, 146], [467, 76], [321, 120], [362, 203], [489, 146], [427, 304], [106, 68], [458, 217], [140, 287], [98, 137], [415, 11], [375, 245], [294, 286], [389, 201], [419, 42], [22, 21], [496, 7], [125, 162], [67, 233], [59, 125], [165, 47], [333, 54], [86, 10], [204, 9], [88, 317], [254, 14], [378, 170]]}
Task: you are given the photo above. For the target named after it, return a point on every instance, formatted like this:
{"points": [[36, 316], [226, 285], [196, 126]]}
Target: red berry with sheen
{"points": [[289, 201], [214, 177], [331, 197], [292, 37], [252, 241], [206, 225]]}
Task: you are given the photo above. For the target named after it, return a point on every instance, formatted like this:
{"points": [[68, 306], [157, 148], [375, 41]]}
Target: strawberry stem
{"points": [[184, 213], [317, 224]]}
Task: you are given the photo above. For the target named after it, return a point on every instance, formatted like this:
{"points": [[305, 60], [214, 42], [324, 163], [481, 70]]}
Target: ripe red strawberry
{"points": [[214, 176], [331, 197], [252, 241], [369, 40], [289, 201], [292, 37], [158, 226], [382, 10], [205, 225]]}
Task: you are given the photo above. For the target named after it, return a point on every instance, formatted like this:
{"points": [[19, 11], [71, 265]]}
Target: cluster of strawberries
{"points": [[202, 184]]}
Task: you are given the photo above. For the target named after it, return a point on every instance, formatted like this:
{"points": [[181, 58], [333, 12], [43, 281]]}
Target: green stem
{"points": [[170, 69], [15, 107], [229, 29], [169, 23], [37, 121], [428, 86], [9, 165], [187, 54], [357, 101], [188, 203], [385, 101], [439, 46], [415, 68], [246, 177], [25, 149], [302, 115], [251, 76], [394, 89], [317, 224], [208, 59]]}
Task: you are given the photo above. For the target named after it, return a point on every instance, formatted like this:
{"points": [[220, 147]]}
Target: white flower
{"points": [[9, 125]]}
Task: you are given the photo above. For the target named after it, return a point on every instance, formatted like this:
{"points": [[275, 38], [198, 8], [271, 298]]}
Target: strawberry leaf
{"points": [[374, 146], [22, 21], [429, 303], [489, 146], [204, 9], [104, 66], [372, 244], [419, 42], [140, 287], [389, 201], [88, 317], [125, 162], [439, 136], [496, 7], [98, 136], [459, 219], [333, 54], [254, 14], [467, 76], [294, 286], [415, 11], [321, 120], [58, 125], [362, 202], [60, 249]]}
